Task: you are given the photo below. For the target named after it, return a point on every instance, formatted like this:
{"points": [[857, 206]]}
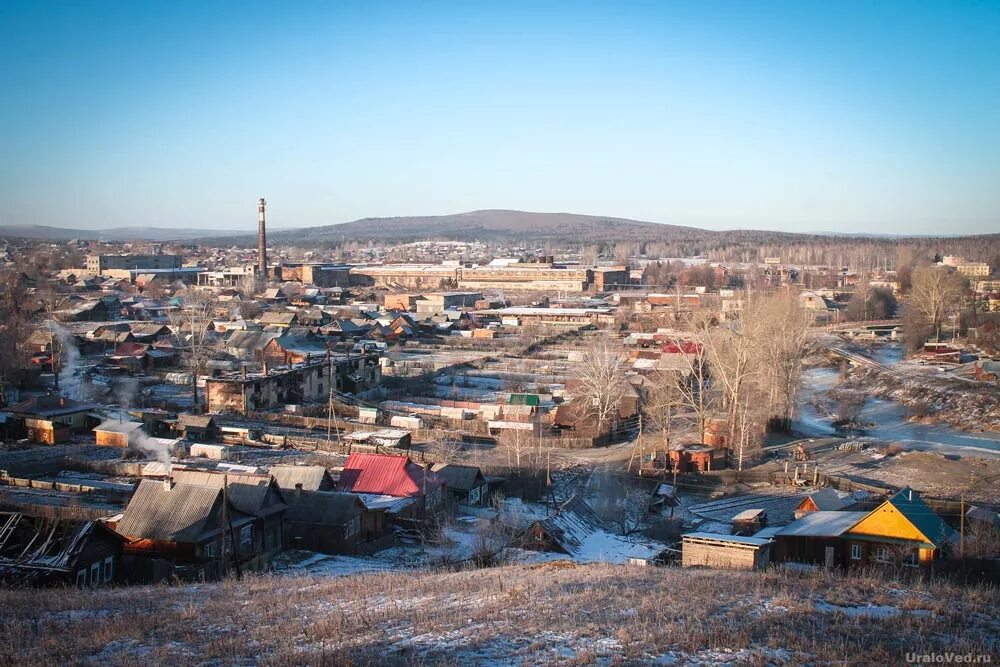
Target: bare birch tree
{"points": [[601, 376], [935, 291]]}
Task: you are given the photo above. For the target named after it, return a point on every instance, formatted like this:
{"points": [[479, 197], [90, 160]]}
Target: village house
{"points": [[51, 419], [46, 551], [902, 530], [182, 526], [397, 484], [292, 385], [334, 523], [197, 428], [257, 496], [465, 484]]}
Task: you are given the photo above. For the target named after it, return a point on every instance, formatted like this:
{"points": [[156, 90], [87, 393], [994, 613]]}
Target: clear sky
{"points": [[800, 116]]}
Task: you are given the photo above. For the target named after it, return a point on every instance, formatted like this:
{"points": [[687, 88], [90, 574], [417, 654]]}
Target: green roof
{"points": [[525, 399], [911, 505]]}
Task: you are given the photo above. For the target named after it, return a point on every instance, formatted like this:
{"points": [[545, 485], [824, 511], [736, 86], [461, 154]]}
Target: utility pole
{"points": [[222, 531], [961, 540]]}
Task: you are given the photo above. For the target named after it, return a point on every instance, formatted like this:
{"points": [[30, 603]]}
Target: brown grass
{"points": [[551, 614]]}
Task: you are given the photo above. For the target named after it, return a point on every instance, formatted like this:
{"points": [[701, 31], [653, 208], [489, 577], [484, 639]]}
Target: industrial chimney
{"points": [[261, 241]]}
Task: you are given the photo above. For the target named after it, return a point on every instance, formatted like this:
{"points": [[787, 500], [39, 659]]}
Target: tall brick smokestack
{"points": [[261, 241]]}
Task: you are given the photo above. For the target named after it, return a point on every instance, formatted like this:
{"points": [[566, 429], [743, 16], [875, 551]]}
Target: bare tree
{"points": [[935, 291], [784, 331], [517, 443], [192, 324], [696, 385], [663, 400], [601, 374], [446, 447]]}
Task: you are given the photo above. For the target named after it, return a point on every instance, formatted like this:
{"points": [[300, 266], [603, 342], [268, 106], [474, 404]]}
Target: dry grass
{"points": [[556, 613]]}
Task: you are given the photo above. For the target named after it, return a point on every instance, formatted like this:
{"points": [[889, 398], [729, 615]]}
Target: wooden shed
{"points": [[731, 552], [114, 433]]}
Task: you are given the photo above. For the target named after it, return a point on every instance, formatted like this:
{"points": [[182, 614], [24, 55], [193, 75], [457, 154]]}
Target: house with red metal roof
{"points": [[382, 480]]}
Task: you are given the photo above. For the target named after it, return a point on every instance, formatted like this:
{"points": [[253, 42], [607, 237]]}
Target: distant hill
{"points": [[491, 224], [114, 234]]}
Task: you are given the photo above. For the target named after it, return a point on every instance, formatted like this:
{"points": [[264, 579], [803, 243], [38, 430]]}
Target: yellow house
{"points": [[901, 530]]}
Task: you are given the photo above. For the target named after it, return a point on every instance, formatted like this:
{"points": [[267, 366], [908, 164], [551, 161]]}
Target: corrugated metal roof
{"points": [[822, 524], [571, 524], [184, 513], [390, 504], [312, 478], [463, 478], [115, 426], [250, 494], [384, 475], [827, 500]]}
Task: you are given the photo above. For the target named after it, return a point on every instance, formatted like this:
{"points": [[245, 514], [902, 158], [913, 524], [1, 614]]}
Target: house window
{"points": [[95, 574], [352, 528], [855, 552], [211, 550], [246, 538], [109, 569], [882, 554], [81, 578]]}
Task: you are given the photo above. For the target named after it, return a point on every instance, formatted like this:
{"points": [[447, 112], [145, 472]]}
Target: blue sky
{"points": [[799, 116]]}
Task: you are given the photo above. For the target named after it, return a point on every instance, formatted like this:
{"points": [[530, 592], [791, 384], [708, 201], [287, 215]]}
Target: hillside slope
{"points": [[44, 232], [555, 613], [494, 224]]}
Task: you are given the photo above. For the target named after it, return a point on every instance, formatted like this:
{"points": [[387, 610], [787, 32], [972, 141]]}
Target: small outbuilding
{"points": [[731, 552]]}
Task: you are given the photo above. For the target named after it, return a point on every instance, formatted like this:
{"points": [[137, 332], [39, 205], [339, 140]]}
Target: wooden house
{"points": [[197, 428], [465, 484], [256, 496], [393, 477], [902, 530], [183, 524], [43, 551], [333, 522], [824, 500], [816, 538], [731, 552]]}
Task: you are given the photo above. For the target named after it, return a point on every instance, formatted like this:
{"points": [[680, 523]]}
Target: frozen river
{"points": [[888, 415]]}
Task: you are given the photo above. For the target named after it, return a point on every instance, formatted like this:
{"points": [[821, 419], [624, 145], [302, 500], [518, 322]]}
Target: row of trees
{"points": [[746, 372]]}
